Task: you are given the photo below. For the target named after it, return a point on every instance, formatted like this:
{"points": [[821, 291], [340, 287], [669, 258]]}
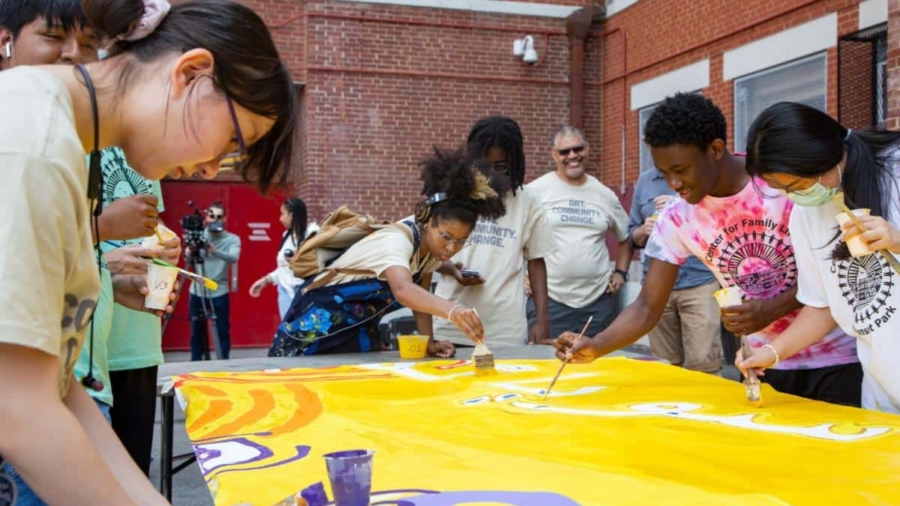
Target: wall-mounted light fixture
{"points": [[524, 48]]}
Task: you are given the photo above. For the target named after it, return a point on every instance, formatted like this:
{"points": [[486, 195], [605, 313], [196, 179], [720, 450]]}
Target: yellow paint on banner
{"points": [[614, 432]]}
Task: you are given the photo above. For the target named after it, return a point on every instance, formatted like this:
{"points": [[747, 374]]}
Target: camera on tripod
{"points": [[193, 226]]}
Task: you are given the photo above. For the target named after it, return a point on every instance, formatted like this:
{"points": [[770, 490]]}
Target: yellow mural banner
{"points": [[614, 432]]}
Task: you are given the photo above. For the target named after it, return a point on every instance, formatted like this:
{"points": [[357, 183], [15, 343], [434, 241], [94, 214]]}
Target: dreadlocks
{"points": [[500, 132]]}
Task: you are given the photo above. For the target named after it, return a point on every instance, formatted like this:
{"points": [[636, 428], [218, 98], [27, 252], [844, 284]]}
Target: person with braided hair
{"points": [[338, 311], [499, 250]]}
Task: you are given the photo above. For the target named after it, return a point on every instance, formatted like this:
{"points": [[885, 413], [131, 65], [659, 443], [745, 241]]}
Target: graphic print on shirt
{"points": [[756, 256], [576, 211], [487, 232], [866, 284], [119, 180]]}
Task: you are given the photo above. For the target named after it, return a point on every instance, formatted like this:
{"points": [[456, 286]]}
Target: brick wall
{"points": [[893, 64], [382, 84]]}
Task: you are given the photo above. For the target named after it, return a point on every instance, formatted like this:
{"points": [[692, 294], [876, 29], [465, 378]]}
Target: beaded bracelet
{"points": [[775, 352]]}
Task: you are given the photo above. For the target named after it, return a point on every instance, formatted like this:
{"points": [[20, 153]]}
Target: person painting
{"points": [[338, 311], [176, 100], [738, 227], [807, 155], [490, 272]]}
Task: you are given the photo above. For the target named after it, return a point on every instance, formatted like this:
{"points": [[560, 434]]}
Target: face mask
{"points": [[814, 196]]}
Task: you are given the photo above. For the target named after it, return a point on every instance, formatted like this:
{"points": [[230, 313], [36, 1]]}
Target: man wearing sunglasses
{"points": [[580, 279], [222, 250]]}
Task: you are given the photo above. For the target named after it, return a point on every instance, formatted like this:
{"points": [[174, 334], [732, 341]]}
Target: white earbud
{"points": [[9, 50]]}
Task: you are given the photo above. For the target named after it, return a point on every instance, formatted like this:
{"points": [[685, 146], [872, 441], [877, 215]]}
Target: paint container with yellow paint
{"points": [[413, 346]]}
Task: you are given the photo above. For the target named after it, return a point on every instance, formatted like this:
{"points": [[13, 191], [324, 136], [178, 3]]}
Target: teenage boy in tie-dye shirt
{"points": [[738, 227]]}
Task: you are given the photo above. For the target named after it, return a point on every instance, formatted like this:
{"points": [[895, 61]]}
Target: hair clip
{"points": [[435, 198]]}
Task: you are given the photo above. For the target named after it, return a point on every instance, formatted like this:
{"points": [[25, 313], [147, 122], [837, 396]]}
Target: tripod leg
{"points": [[209, 312]]}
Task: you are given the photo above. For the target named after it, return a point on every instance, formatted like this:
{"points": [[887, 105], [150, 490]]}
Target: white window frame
{"points": [[645, 160], [741, 133]]}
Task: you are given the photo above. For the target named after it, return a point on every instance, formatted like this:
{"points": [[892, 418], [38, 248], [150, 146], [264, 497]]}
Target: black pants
{"points": [[837, 384], [199, 331], [134, 412]]}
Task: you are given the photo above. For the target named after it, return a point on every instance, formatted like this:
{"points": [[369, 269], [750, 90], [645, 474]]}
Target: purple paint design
{"points": [[476, 496], [209, 452]]}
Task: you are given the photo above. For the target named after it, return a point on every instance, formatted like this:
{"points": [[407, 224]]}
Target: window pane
{"points": [[646, 159], [800, 81]]}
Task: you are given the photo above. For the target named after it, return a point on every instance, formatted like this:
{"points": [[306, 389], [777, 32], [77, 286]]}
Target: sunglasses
{"points": [[215, 216], [576, 149]]}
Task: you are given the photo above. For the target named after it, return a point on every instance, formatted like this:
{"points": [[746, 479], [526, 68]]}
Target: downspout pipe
{"points": [[578, 26]]}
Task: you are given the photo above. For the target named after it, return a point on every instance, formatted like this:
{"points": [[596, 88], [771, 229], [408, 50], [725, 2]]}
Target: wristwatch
{"points": [[622, 273]]}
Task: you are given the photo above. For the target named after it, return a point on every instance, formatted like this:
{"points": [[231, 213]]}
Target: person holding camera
{"points": [[212, 256], [294, 219]]}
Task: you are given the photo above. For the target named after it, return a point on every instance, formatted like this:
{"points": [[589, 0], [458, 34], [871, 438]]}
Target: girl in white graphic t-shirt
{"points": [[180, 92], [811, 158]]}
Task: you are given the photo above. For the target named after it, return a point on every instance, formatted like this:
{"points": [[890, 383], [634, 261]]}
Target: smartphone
{"points": [[469, 274]]}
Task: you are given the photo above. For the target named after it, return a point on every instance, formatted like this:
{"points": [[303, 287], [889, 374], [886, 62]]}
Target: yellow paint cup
{"points": [[854, 243], [413, 346]]}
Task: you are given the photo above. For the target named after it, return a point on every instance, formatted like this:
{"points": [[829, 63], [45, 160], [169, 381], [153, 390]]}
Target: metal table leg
{"points": [[167, 403]]}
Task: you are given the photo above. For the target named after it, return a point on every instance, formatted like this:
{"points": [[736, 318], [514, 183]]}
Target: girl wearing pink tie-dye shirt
{"points": [[738, 227]]}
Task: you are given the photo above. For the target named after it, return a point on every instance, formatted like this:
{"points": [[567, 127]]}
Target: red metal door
{"points": [[254, 219]]}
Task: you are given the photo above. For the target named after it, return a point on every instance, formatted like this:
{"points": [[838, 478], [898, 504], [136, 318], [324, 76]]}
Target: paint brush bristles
{"points": [[483, 358]]}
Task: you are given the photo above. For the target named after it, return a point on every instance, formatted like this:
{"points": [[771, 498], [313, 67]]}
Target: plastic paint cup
{"points": [[854, 243], [161, 281], [727, 297], [350, 473], [413, 346], [153, 241]]}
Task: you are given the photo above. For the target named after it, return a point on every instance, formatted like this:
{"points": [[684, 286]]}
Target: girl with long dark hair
{"points": [[294, 219], [812, 158]]}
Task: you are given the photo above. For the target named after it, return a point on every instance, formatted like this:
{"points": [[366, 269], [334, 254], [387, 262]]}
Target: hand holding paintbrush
{"points": [[857, 241], [566, 361]]}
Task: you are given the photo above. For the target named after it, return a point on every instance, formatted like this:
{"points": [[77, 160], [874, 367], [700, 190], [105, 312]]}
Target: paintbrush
{"points": [[887, 255], [208, 283], [566, 361], [483, 358], [159, 236]]}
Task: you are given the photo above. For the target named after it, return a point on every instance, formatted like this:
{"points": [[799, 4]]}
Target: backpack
{"points": [[339, 230]]}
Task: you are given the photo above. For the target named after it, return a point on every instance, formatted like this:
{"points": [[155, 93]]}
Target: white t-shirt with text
{"points": [[580, 216], [50, 275], [498, 250]]}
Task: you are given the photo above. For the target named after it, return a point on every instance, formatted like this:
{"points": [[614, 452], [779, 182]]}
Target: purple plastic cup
{"points": [[350, 473]]}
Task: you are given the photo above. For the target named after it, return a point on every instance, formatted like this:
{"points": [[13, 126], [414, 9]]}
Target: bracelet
{"points": [[450, 314], [775, 352]]}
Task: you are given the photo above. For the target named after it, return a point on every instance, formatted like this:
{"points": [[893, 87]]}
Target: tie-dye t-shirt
{"points": [[745, 241]]}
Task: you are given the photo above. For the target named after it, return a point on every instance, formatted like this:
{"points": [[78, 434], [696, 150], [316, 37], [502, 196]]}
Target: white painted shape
{"points": [[257, 224], [689, 78], [231, 452], [491, 6], [258, 238], [614, 7], [802, 40], [683, 410], [872, 12]]}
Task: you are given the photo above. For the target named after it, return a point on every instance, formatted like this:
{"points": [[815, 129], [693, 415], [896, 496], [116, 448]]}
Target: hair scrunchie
{"points": [[154, 12]]}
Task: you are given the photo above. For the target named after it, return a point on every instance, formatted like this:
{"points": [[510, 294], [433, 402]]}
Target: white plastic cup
{"points": [[730, 296], [854, 243], [161, 281]]}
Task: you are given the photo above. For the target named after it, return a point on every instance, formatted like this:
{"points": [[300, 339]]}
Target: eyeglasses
{"points": [[565, 152], [241, 154], [501, 167], [447, 238]]}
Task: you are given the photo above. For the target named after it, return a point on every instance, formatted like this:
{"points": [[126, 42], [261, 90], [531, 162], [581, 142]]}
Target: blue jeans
{"points": [[199, 333], [27, 497], [285, 297]]}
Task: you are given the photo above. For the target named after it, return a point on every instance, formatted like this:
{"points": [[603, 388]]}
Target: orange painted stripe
{"points": [[217, 407], [263, 404], [308, 408]]}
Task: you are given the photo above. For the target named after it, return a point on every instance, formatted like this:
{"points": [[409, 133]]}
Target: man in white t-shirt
{"points": [[580, 280], [497, 251]]}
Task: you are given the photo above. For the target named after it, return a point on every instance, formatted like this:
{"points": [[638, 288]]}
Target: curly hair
{"points": [[500, 132], [689, 119], [469, 193]]}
